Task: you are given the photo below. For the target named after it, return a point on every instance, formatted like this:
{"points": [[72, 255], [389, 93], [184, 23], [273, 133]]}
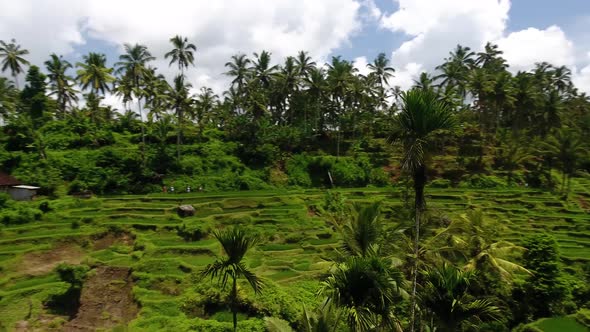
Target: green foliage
{"points": [[482, 182]]}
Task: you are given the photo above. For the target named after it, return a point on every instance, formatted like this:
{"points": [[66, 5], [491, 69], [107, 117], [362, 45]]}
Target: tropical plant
{"points": [[444, 296], [422, 115], [365, 289], [61, 85], [235, 243], [93, 73], [12, 58], [182, 53]]}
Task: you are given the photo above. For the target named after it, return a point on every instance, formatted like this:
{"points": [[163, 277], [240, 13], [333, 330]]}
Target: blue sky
{"points": [[415, 34]]}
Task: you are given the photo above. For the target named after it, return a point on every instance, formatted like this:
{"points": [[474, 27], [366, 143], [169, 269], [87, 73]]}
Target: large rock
{"points": [[186, 211]]}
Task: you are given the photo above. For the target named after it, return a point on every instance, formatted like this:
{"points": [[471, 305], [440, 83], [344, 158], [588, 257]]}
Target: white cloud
{"points": [[360, 64], [523, 48], [218, 28], [405, 76], [434, 28]]}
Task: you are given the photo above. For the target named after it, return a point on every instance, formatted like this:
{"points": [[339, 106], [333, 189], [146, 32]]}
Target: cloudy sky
{"points": [[416, 34]]}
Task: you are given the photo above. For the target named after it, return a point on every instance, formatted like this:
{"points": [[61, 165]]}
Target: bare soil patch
{"points": [[110, 239], [40, 263], [106, 300]]}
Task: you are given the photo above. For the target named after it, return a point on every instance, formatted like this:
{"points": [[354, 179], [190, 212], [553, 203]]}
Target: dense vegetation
{"points": [[453, 179]]}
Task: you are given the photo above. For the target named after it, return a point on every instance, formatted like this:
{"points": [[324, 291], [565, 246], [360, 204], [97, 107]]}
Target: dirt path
{"points": [[106, 300]]}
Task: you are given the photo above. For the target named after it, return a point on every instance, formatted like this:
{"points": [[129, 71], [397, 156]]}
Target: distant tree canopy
{"points": [[288, 122]]}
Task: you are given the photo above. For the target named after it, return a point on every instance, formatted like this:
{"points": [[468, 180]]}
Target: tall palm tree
{"points": [[60, 82], [206, 101], [262, 70], [444, 296], [566, 146], [180, 101], [380, 69], [182, 53], [238, 69], [424, 82], [93, 73], [304, 64], [421, 116], [235, 244], [340, 77], [365, 289], [12, 58], [8, 98], [132, 65]]}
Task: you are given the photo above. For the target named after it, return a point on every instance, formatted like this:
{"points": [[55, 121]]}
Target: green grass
{"points": [[560, 324], [293, 245]]}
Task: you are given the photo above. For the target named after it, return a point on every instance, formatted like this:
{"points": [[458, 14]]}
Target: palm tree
{"points": [[60, 85], [182, 53], [566, 146], [132, 65], [235, 244], [205, 103], [340, 77], [361, 234], [444, 296], [12, 58], [424, 82], [262, 71], [180, 102], [238, 69], [304, 64], [365, 289], [380, 69], [421, 116], [8, 98], [94, 74]]}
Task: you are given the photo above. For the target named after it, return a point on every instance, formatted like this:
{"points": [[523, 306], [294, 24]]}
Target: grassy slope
{"points": [[294, 244]]}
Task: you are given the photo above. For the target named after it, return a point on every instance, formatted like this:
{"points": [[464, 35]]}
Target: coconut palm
{"points": [[61, 84], [566, 146], [380, 69], [304, 64], [8, 98], [444, 296], [180, 101], [238, 69], [93, 73], [182, 53], [132, 65], [12, 58], [235, 243], [206, 101], [422, 115], [365, 289], [262, 71]]}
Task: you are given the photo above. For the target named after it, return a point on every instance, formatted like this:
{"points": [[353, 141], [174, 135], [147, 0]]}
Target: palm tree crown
{"points": [[182, 53], [12, 58]]}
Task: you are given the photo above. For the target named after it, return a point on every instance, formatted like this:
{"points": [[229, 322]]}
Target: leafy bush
{"points": [[379, 177], [440, 183], [483, 182], [192, 232], [298, 170]]}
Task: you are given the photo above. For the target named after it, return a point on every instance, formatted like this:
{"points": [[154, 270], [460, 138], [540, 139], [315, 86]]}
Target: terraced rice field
{"points": [[140, 232]]}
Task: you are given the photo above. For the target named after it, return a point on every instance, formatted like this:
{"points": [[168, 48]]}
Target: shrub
{"points": [[483, 182], [298, 170], [192, 232], [440, 183], [379, 177]]}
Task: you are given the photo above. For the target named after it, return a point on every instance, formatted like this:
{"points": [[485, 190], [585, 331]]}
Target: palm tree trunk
{"points": [[179, 135], [234, 299], [15, 81], [142, 130], [419, 205]]}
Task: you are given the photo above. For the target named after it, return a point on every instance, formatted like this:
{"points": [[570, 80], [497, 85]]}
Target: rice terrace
{"points": [[281, 166]]}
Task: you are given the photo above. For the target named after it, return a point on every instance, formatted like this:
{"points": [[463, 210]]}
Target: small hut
{"points": [[16, 189]]}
